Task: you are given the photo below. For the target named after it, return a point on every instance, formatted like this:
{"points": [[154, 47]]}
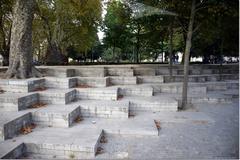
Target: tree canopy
{"points": [[134, 30]]}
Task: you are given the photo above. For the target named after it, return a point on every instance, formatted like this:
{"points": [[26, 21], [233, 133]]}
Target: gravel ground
{"points": [[186, 140]]}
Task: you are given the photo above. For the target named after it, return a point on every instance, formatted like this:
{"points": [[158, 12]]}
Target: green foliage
{"points": [[116, 27], [68, 23], [111, 54]]}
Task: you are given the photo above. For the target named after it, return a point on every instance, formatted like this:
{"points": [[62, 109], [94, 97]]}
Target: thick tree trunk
{"points": [[54, 55], [187, 54], [5, 44], [20, 60]]}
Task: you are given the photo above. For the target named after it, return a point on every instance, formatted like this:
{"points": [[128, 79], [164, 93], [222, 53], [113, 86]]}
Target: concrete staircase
{"points": [[70, 108]]}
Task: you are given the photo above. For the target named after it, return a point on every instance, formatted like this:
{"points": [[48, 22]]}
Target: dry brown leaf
{"points": [[38, 105], [120, 97], [157, 123], [83, 86], [200, 122], [2, 91], [131, 115], [28, 129], [41, 89], [78, 119], [103, 139], [99, 150]]}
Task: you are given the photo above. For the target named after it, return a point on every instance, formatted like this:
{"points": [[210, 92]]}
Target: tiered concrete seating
{"points": [[150, 79], [72, 106], [57, 115], [22, 86], [104, 109], [117, 80], [97, 93], [93, 81], [12, 122], [118, 71], [90, 72], [57, 96], [62, 83], [144, 71], [17, 101], [58, 72]]}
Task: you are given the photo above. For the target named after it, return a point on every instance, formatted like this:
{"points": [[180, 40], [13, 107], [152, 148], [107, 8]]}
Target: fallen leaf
{"points": [[83, 86], [38, 105], [2, 91], [120, 97], [99, 150], [78, 119], [41, 89], [103, 139], [26, 129], [157, 123]]}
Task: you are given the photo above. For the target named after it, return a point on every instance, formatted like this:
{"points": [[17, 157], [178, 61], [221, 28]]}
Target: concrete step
{"points": [[60, 72], [135, 126], [232, 84], [12, 122], [57, 96], [215, 86], [135, 90], [17, 101], [60, 83], [144, 71], [155, 104], [56, 115], [210, 97], [218, 70], [164, 71], [90, 72], [150, 79], [119, 80], [97, 93], [120, 71], [22, 86], [59, 143], [191, 72], [233, 93], [104, 109], [10, 150], [93, 81], [201, 78], [177, 88]]}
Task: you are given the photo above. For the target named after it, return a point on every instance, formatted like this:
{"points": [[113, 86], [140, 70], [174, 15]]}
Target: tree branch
{"points": [[182, 26], [198, 26]]}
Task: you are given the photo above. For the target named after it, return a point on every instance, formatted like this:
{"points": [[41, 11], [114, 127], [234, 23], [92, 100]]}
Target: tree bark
{"points": [[138, 44], [5, 46], [54, 55], [20, 59], [187, 54]]}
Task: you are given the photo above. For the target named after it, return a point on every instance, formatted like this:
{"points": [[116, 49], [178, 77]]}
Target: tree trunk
{"points": [[5, 44], [54, 55], [187, 54], [171, 50], [20, 60], [185, 39], [138, 44]]}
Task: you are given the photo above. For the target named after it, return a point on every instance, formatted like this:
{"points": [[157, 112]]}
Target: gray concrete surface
{"points": [[207, 132]]}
